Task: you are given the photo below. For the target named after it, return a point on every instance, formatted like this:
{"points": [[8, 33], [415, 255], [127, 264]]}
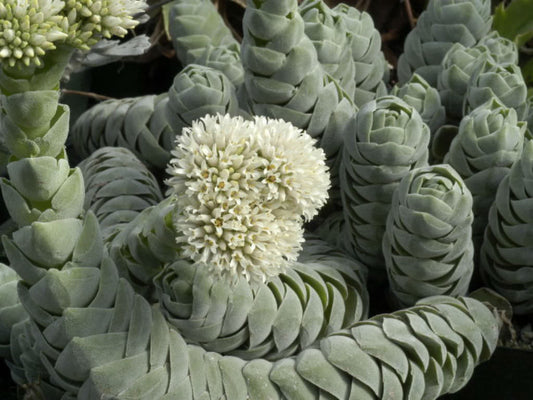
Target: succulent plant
{"points": [[332, 42], [147, 125], [200, 36], [501, 49], [90, 336], [501, 81], [529, 118], [142, 247], [371, 68], [139, 124], [443, 23], [489, 141], [332, 230], [117, 188], [457, 68], [11, 310], [284, 79], [426, 99], [273, 320], [197, 91], [460, 63], [387, 140], [505, 260], [428, 238]]}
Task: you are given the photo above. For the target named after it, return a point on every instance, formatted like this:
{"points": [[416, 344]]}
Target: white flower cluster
{"points": [[91, 20], [30, 28], [243, 190]]}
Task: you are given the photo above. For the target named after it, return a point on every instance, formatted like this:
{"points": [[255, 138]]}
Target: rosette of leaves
{"points": [[139, 124], [489, 141], [501, 81], [501, 49], [333, 44], [200, 36], [505, 259], [117, 188], [457, 68], [371, 68], [443, 23], [272, 320], [198, 90], [428, 239], [284, 79], [460, 63], [143, 246], [387, 140], [425, 98]]}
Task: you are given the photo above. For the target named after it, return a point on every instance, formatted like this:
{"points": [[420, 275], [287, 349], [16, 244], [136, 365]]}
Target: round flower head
{"points": [[242, 191], [92, 20], [29, 28]]}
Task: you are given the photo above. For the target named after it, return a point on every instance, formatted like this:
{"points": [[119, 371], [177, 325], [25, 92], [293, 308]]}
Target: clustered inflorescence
{"points": [[242, 191], [30, 28]]}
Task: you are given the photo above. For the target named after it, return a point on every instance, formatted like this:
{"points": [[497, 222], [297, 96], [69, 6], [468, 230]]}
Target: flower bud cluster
{"points": [[30, 28], [91, 20]]}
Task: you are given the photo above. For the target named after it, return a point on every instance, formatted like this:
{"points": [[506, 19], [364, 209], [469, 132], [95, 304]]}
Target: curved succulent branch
{"points": [[147, 125], [443, 23], [139, 124], [200, 36], [489, 141], [273, 320], [428, 238], [117, 188], [143, 246], [505, 261], [387, 140]]}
